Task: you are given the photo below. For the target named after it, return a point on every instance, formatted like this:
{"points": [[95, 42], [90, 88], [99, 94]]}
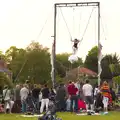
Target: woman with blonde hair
{"points": [[106, 95]]}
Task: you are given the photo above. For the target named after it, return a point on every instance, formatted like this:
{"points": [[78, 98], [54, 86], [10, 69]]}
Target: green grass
{"points": [[66, 116]]}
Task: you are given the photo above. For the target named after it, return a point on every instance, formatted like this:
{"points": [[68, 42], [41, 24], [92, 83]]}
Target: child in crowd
{"points": [[68, 104]]}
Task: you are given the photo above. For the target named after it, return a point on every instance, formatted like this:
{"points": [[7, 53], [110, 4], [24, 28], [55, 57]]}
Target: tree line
{"points": [[33, 63]]}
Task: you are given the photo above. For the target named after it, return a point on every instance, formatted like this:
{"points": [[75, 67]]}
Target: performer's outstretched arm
{"points": [[81, 39]]}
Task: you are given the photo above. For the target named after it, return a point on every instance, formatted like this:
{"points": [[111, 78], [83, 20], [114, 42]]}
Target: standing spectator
{"points": [[68, 104], [113, 94], [24, 95], [99, 101], [88, 94], [96, 91], [7, 98], [114, 97], [60, 97], [45, 98], [35, 96], [52, 94], [17, 99], [72, 91], [81, 91], [106, 96], [40, 98]]}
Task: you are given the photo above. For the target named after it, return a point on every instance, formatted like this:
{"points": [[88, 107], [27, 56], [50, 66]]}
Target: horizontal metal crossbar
{"points": [[81, 4]]}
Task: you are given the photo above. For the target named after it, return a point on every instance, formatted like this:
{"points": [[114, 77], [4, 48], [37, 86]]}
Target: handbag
{"points": [[3, 101]]}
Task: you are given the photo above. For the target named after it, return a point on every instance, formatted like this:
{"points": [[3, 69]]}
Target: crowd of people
{"points": [[72, 97]]}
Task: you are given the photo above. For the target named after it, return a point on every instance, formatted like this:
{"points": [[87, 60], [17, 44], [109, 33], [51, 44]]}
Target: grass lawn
{"points": [[66, 116]]}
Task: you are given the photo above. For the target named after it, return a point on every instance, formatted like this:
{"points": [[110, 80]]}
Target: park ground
{"points": [[65, 116]]}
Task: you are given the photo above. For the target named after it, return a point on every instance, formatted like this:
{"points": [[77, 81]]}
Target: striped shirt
{"points": [[106, 92]]}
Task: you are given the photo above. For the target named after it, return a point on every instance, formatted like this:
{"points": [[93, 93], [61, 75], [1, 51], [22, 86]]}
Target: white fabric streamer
{"points": [[73, 58], [52, 74], [52, 63], [100, 57]]}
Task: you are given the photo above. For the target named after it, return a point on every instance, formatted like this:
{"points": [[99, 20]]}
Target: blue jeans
{"points": [[24, 106], [36, 101], [68, 105]]}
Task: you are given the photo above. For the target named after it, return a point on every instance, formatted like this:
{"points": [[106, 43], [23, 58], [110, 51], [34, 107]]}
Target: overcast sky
{"points": [[22, 20]]}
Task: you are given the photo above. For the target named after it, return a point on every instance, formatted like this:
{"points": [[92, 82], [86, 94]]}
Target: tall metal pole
{"points": [[99, 61], [54, 45]]}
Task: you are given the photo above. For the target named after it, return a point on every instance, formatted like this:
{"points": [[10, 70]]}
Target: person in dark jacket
{"points": [[45, 98], [17, 99], [52, 94], [113, 94], [35, 96], [60, 97]]}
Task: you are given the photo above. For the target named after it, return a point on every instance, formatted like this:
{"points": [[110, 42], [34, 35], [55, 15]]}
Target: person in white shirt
{"points": [[24, 95], [96, 91], [88, 93], [7, 98]]}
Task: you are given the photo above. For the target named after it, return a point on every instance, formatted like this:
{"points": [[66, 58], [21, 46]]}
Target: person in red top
{"points": [[72, 91]]}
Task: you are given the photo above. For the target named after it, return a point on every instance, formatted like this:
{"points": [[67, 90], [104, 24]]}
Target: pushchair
{"points": [[31, 107], [98, 105], [51, 113]]}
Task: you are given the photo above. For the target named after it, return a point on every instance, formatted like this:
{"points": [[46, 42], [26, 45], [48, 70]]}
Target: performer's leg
{"points": [[74, 50]]}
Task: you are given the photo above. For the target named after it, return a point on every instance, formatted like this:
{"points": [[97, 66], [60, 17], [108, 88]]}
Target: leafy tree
{"points": [[110, 64], [91, 61], [5, 80], [115, 69], [114, 66], [60, 69], [32, 63], [117, 79], [15, 58], [2, 56], [4, 72], [11, 53], [38, 63]]}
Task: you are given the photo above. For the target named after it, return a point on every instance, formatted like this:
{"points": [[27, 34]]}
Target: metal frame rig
{"points": [[79, 4]]}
